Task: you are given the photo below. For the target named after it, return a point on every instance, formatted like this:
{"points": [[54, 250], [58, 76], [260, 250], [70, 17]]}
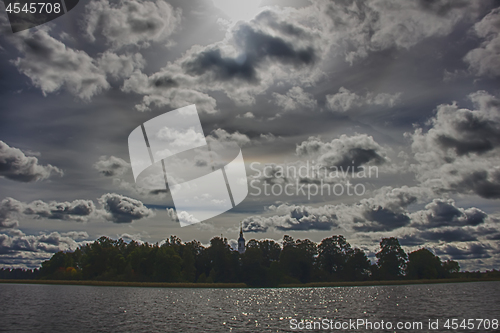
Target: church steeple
{"points": [[241, 241]]}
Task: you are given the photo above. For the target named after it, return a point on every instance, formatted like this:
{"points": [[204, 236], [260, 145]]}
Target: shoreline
{"points": [[242, 285]]}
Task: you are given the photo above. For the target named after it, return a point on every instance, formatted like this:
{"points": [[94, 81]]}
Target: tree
{"points": [[297, 259], [270, 252], [264, 264], [423, 264], [167, 265], [357, 266], [253, 273], [219, 253], [450, 268], [391, 259], [188, 265], [334, 253]]}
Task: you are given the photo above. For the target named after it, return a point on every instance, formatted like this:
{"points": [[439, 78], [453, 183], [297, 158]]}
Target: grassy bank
{"points": [[130, 284], [243, 285], [383, 283]]}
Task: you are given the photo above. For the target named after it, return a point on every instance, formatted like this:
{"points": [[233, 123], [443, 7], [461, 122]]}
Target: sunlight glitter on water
{"points": [[108, 309]]}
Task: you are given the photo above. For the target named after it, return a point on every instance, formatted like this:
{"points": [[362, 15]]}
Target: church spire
{"points": [[241, 241]]}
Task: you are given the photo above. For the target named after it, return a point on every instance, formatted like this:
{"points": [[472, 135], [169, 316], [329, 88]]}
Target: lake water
{"points": [[64, 308]]}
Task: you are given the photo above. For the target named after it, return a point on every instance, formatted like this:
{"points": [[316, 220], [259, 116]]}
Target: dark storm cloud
{"points": [[484, 183], [494, 236], [121, 209], [439, 235], [158, 192], [297, 218], [471, 251], [448, 235], [111, 166], [442, 7], [253, 56], [382, 219], [469, 132], [115, 207], [77, 210], [165, 82], [410, 240], [346, 151], [224, 68], [259, 46], [385, 211], [255, 47], [459, 153], [442, 221], [442, 213], [15, 165], [354, 157]]}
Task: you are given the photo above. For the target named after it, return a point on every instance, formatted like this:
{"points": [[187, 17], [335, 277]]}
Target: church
{"points": [[241, 241]]}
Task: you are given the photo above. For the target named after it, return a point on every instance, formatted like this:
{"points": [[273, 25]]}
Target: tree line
{"points": [[265, 263]]}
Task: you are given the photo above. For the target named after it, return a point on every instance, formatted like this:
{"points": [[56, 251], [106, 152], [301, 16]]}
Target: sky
{"points": [[367, 119]]}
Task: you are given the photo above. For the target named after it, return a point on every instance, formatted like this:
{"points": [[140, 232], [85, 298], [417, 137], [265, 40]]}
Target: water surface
{"points": [[66, 308]]}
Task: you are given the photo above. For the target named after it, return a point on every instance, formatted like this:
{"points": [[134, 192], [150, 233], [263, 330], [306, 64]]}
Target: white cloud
{"points": [[9, 208], [252, 57], [441, 212], [460, 151], [346, 100], [77, 210], [485, 60], [20, 250], [115, 207], [186, 218], [127, 22], [163, 91], [111, 166], [15, 165], [223, 137], [120, 66], [295, 98], [51, 65], [385, 211], [354, 151], [367, 26], [180, 138], [249, 115], [121, 209]]}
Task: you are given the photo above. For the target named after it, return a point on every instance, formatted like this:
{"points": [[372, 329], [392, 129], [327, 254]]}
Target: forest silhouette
{"points": [[264, 264]]}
